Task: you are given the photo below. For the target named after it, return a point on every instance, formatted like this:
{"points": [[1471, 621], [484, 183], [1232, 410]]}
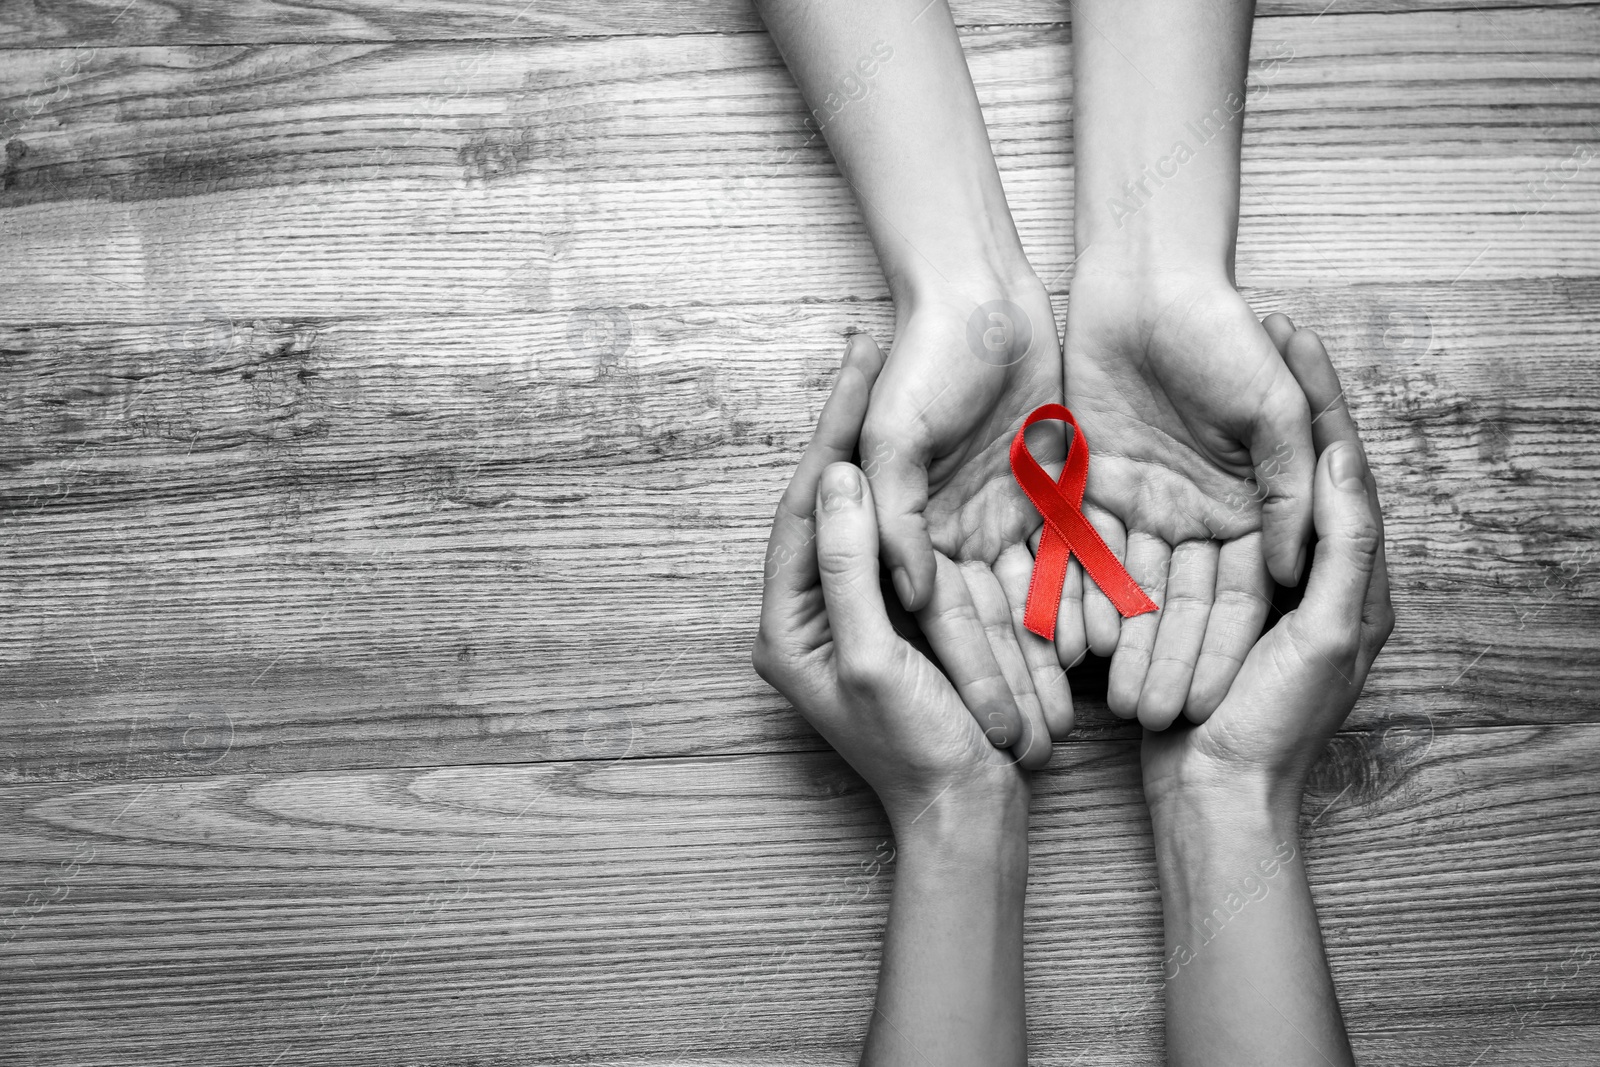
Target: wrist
{"points": [[958, 289], [1203, 839], [1184, 229], [1199, 802], [968, 828], [1150, 276], [1001, 317], [963, 267], [1217, 872], [1128, 304]]}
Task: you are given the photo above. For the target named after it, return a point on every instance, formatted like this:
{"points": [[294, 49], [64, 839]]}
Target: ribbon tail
{"points": [[1111, 576], [1044, 590]]}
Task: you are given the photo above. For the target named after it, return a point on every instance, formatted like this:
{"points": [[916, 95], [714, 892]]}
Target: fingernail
{"points": [[1345, 466], [849, 351], [903, 587], [842, 486]]}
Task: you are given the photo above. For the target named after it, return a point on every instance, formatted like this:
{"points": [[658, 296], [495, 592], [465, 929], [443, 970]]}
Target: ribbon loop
{"points": [[1066, 532]]}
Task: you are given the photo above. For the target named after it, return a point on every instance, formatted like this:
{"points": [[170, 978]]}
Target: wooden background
{"points": [[393, 399]]}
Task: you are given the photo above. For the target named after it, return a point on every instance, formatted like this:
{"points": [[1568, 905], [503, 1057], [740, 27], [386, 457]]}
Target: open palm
{"points": [[1200, 473], [954, 525]]}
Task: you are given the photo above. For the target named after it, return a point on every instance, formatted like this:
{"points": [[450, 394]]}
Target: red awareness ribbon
{"points": [[1066, 531]]}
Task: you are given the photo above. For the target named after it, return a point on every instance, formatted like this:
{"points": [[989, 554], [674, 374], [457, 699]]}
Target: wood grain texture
{"points": [[313, 180], [115, 22], [256, 545], [729, 910], [392, 405]]}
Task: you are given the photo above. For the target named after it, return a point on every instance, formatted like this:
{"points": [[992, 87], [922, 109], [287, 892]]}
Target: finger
{"points": [[1072, 644], [894, 452], [1014, 569], [1348, 539], [1102, 623], [1148, 560], [1314, 372], [1032, 748], [1191, 584], [1280, 328], [1331, 421], [1239, 608], [952, 625], [1283, 460], [1377, 614], [1072, 640], [791, 564], [847, 561]]}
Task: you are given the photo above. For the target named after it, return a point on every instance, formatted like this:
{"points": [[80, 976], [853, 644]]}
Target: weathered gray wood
{"points": [[728, 910], [114, 22], [309, 468], [292, 181], [264, 545], [344, 488]]}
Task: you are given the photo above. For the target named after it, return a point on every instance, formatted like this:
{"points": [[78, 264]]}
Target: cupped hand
{"points": [[826, 642], [1302, 678], [1200, 478], [964, 373]]}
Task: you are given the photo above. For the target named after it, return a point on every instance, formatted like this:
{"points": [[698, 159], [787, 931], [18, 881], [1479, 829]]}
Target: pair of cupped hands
{"points": [[1221, 448]]}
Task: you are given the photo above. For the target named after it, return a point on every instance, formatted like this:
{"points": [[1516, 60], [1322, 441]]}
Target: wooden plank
{"points": [[304, 451], [308, 180], [719, 910], [263, 545], [1521, 1044], [112, 22]]}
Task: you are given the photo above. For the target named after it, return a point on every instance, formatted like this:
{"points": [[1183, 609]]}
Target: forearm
{"points": [[888, 87], [1158, 106], [950, 986], [1247, 980]]}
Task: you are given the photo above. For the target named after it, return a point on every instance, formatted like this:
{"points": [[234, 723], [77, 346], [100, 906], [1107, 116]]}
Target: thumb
{"points": [[898, 470], [1284, 462], [1347, 552], [847, 559]]}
